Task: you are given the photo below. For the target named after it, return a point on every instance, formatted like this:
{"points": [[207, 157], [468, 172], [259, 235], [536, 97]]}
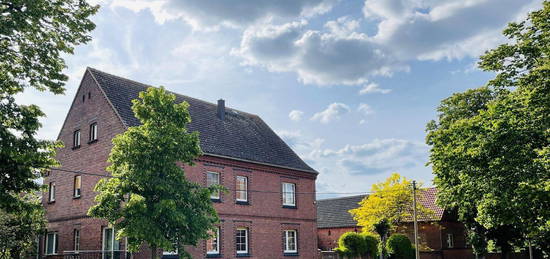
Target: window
{"points": [[76, 238], [213, 178], [77, 186], [93, 132], [450, 241], [290, 241], [213, 244], [110, 244], [242, 188], [289, 195], [51, 192], [76, 139], [83, 98], [51, 243], [242, 240]]}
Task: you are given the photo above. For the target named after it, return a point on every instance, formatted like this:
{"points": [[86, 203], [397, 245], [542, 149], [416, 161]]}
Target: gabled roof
{"points": [[334, 213], [241, 135]]}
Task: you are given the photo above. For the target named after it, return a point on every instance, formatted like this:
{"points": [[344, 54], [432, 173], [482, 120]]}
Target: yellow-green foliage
{"points": [[391, 200]]}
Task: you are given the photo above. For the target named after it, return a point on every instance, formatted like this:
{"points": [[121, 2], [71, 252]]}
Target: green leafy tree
{"points": [[371, 243], [391, 200], [19, 229], [490, 146], [382, 228], [34, 34], [148, 199], [399, 247], [351, 245]]}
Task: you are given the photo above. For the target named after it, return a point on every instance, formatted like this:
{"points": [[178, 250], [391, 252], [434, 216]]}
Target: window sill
{"points": [[291, 254], [92, 141], [76, 197], [76, 147], [289, 207], [214, 256], [217, 200], [51, 202], [242, 202], [243, 255]]}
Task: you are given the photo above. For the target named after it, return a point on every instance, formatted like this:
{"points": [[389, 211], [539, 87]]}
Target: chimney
{"points": [[221, 109]]}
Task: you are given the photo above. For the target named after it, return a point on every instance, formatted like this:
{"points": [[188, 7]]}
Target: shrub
{"points": [[399, 247], [371, 245], [351, 244]]}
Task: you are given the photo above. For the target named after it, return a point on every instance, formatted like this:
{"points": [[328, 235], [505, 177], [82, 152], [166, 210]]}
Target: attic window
{"points": [[89, 95], [83, 98]]}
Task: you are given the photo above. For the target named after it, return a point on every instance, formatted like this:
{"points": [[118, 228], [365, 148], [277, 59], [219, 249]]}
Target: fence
{"points": [[91, 255]]}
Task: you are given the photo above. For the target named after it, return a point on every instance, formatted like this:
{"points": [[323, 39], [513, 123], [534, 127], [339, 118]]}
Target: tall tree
{"points": [[34, 34], [18, 231], [148, 198], [390, 201], [490, 146]]}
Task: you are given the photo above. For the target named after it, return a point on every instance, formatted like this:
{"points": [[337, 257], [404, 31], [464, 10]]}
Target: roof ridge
{"points": [[342, 198], [177, 94]]}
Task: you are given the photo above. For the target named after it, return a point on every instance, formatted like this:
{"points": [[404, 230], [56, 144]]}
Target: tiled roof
{"points": [[333, 213], [240, 135], [428, 198]]}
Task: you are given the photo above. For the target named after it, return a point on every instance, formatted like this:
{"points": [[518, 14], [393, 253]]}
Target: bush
{"points": [[371, 245], [351, 244], [399, 247]]}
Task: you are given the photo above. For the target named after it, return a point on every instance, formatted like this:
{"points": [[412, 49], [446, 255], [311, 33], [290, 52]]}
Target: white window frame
{"points": [[285, 193], [245, 241], [113, 241], [217, 238], [287, 244], [450, 240], [214, 195], [54, 248], [76, 138], [76, 239], [51, 192], [93, 131], [77, 191], [245, 191]]}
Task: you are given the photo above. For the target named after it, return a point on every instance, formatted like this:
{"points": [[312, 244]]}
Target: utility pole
{"points": [[417, 253]]}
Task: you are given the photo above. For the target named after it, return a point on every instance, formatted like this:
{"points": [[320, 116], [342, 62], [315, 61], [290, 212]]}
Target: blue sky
{"points": [[349, 84]]}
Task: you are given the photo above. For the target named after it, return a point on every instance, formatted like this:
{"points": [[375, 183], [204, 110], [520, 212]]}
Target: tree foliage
{"points": [[352, 244], [399, 247], [490, 146], [34, 34], [19, 228], [391, 200], [148, 199]]}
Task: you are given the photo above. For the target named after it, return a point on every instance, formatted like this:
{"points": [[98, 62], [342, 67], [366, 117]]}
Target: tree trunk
{"points": [[153, 251], [505, 250]]}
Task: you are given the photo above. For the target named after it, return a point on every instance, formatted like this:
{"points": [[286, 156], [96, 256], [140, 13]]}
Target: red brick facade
{"points": [[264, 216]]}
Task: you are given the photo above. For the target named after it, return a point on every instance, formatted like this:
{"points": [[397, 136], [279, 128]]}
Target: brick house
{"points": [[269, 213], [441, 235]]}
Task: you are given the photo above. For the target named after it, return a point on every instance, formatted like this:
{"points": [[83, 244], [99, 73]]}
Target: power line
{"points": [[256, 191]]}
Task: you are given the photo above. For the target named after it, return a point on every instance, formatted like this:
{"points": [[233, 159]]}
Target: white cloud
{"points": [[363, 121], [337, 56], [407, 30], [204, 14], [365, 109], [373, 88], [333, 112], [296, 115], [413, 29], [378, 156]]}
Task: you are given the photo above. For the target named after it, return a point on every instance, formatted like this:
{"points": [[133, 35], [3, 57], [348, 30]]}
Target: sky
{"points": [[348, 84]]}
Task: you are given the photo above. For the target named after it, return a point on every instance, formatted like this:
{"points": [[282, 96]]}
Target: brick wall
{"points": [[264, 215], [328, 237]]}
